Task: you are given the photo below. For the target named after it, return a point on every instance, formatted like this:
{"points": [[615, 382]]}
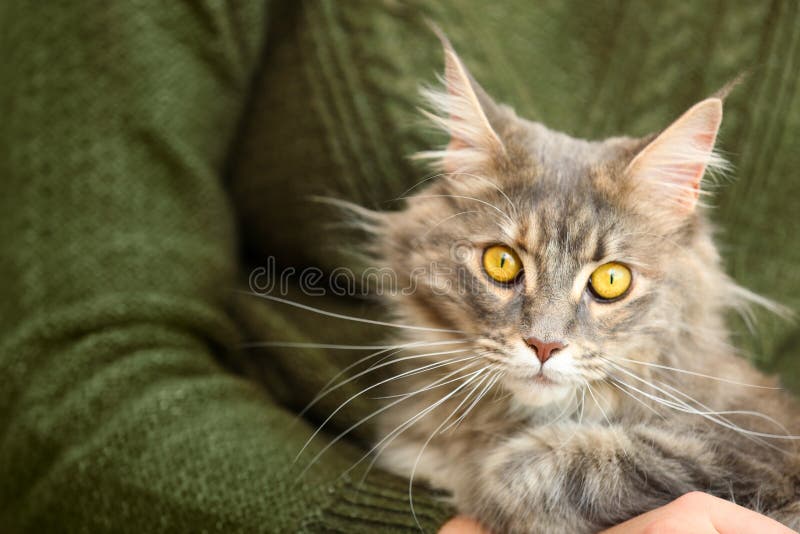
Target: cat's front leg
{"points": [[571, 478]]}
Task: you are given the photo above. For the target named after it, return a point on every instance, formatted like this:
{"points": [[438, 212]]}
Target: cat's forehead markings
{"points": [[523, 240], [600, 247], [509, 231]]}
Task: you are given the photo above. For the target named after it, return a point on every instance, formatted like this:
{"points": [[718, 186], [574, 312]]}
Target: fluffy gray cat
{"points": [[583, 372]]}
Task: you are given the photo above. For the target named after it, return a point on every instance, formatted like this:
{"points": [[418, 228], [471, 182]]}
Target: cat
{"points": [[590, 376]]}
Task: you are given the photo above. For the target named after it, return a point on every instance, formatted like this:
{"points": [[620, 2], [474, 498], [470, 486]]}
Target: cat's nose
{"points": [[544, 349]]}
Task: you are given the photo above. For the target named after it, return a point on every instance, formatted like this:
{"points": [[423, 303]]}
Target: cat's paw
{"points": [[536, 480]]}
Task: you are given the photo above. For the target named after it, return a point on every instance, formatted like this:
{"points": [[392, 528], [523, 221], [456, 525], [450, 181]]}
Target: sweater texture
{"points": [[153, 154]]}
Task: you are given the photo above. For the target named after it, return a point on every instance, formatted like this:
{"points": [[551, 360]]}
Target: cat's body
{"points": [[539, 450], [558, 470]]}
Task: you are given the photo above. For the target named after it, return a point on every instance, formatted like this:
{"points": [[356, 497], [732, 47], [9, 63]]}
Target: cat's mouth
{"points": [[538, 378], [543, 380], [535, 388]]}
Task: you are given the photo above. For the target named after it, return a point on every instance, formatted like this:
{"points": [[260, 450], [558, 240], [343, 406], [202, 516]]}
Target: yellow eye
{"points": [[501, 263], [610, 281]]}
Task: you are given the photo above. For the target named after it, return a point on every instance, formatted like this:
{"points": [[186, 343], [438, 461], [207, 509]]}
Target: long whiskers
{"points": [[386, 440], [676, 403], [385, 364], [302, 345], [693, 373], [349, 317], [430, 387], [411, 372], [485, 180], [597, 403], [686, 408], [425, 445], [439, 223], [478, 398], [710, 411], [327, 389], [453, 176], [464, 197], [614, 383]]}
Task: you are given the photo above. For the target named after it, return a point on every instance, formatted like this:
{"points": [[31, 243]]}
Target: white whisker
{"points": [[501, 212], [324, 391], [349, 317], [426, 179], [483, 393], [491, 183], [428, 388], [679, 405], [583, 405], [637, 399], [386, 440], [591, 392], [432, 228], [454, 176], [686, 408], [750, 413], [425, 446], [693, 373], [428, 367], [385, 364], [301, 345]]}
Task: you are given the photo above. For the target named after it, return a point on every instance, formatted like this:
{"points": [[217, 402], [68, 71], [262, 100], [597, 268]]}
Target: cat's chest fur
{"points": [[435, 439]]}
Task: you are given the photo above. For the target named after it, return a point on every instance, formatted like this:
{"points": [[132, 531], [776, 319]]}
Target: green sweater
{"points": [[153, 153]]}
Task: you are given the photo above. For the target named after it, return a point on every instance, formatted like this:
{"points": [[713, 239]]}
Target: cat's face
{"points": [[554, 255]]}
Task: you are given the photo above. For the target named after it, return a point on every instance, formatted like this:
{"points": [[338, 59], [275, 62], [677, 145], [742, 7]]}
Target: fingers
{"points": [[462, 525], [700, 513], [729, 518]]}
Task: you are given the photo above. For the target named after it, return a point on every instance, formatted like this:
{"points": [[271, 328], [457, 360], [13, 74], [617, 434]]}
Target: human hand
{"points": [[700, 513], [462, 525]]}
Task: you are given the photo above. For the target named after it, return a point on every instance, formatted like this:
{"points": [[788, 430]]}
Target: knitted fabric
{"points": [[153, 153]]}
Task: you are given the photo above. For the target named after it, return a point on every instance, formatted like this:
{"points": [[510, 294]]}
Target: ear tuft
{"points": [[672, 166], [723, 92], [459, 110]]}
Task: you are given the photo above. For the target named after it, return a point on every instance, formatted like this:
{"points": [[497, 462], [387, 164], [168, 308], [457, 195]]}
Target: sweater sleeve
{"points": [[117, 259]]}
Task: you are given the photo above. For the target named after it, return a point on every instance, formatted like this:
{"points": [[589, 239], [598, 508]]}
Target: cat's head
{"points": [[555, 256]]}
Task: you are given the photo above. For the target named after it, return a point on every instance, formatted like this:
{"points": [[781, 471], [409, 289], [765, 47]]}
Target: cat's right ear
{"points": [[461, 110]]}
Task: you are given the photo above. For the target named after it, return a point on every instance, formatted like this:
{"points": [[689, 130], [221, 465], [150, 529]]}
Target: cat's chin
{"points": [[537, 392]]}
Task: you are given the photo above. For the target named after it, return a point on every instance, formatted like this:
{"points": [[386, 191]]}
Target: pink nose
{"points": [[544, 350]]}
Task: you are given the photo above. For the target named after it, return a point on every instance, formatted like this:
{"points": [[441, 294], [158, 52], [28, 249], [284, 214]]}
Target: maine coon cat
{"points": [[581, 370]]}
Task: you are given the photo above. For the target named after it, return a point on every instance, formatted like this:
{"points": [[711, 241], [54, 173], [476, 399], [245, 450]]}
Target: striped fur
{"points": [[648, 401]]}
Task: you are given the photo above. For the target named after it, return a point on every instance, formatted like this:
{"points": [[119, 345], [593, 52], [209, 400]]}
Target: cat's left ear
{"points": [[463, 111], [671, 167]]}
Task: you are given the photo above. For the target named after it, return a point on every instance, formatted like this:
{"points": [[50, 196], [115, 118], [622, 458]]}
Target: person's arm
{"points": [[117, 258]]}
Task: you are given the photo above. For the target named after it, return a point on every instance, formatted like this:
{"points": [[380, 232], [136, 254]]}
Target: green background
{"points": [[152, 153]]}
